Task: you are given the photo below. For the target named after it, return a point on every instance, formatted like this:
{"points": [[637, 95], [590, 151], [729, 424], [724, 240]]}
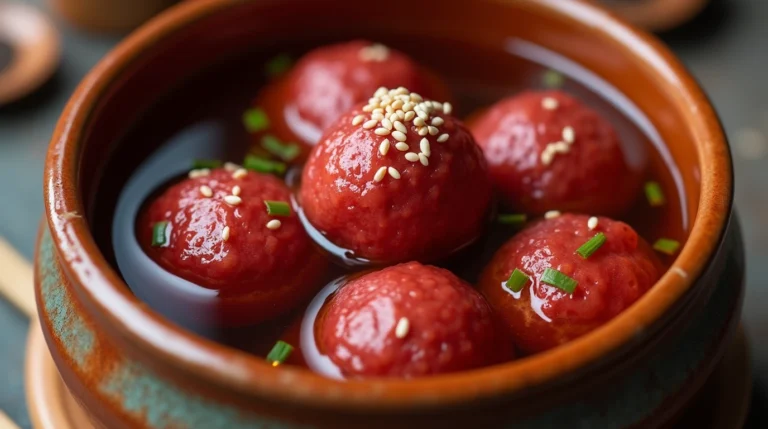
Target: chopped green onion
{"points": [[255, 120], [205, 163], [279, 353], [553, 79], [558, 280], [517, 280], [587, 249], [262, 165], [512, 219], [286, 152], [278, 208], [654, 194], [159, 238], [666, 245], [278, 65]]}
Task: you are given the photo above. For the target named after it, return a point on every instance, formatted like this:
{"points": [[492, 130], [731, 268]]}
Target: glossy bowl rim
{"points": [[231, 370]]}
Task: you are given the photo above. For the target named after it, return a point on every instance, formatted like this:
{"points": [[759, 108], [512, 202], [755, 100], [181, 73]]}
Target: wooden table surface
{"points": [[726, 48]]}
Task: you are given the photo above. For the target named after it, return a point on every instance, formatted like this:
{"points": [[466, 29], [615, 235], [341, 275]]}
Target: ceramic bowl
{"points": [[129, 367]]}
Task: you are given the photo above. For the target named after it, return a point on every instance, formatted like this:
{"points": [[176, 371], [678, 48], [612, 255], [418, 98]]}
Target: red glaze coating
{"points": [[610, 280], [593, 177], [259, 272], [451, 326], [425, 215]]}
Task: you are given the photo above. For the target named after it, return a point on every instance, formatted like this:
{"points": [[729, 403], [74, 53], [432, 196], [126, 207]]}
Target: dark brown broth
{"points": [[202, 119]]}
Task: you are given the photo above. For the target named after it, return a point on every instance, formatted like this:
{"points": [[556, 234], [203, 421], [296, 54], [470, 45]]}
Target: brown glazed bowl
{"points": [[130, 368]]}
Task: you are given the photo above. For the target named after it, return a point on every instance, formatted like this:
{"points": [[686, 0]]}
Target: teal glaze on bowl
{"points": [[152, 401]]}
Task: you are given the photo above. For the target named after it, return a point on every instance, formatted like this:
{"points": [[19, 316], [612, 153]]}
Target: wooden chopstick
{"points": [[16, 279], [6, 422]]}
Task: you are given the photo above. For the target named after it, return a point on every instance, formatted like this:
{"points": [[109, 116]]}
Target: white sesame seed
{"points": [[374, 100], [433, 130], [423, 131], [551, 214], [397, 104], [447, 108], [389, 109], [232, 200], [206, 191], [416, 97], [412, 156], [401, 90], [382, 131], [419, 122], [559, 147], [358, 120], [569, 135], [380, 173], [225, 233], [407, 107], [422, 114], [442, 138], [400, 127], [393, 172], [680, 272], [384, 147], [240, 173], [370, 124], [402, 147], [424, 145], [236, 191], [386, 123], [549, 103], [201, 172], [400, 115], [386, 101], [230, 166], [592, 222], [399, 136], [377, 116], [381, 91], [402, 328], [424, 160], [393, 117], [274, 224], [368, 108], [379, 111], [547, 156], [437, 121], [409, 115]]}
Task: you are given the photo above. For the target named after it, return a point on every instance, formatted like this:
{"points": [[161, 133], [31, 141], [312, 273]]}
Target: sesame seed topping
{"points": [[399, 136], [412, 156], [569, 135], [370, 124], [423, 131], [551, 214], [225, 233], [424, 160], [680, 272], [409, 115], [375, 52], [433, 131], [442, 138], [386, 123], [384, 147], [377, 116], [422, 114], [274, 224], [381, 91], [424, 145], [402, 147], [552, 149], [419, 122], [393, 117], [233, 200], [393, 172], [400, 115], [447, 108], [546, 157], [236, 191], [397, 104], [206, 191], [367, 108], [402, 328], [382, 131], [549, 103], [407, 107], [379, 111], [230, 166], [400, 127], [437, 121], [358, 120], [416, 97], [200, 172], [592, 222], [239, 173], [380, 173]]}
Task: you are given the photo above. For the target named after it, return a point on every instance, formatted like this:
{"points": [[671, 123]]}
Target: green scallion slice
{"points": [[587, 249], [255, 120], [654, 194], [159, 238], [262, 165], [517, 280], [206, 163], [512, 219], [278, 208], [666, 245], [558, 280], [553, 79], [285, 151], [278, 65], [279, 353]]}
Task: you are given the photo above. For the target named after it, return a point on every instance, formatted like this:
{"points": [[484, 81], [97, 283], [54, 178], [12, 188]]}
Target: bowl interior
{"points": [[191, 37]]}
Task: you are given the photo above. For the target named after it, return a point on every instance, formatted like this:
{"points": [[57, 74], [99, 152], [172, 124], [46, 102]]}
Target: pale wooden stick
{"points": [[16, 280], [6, 422]]}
